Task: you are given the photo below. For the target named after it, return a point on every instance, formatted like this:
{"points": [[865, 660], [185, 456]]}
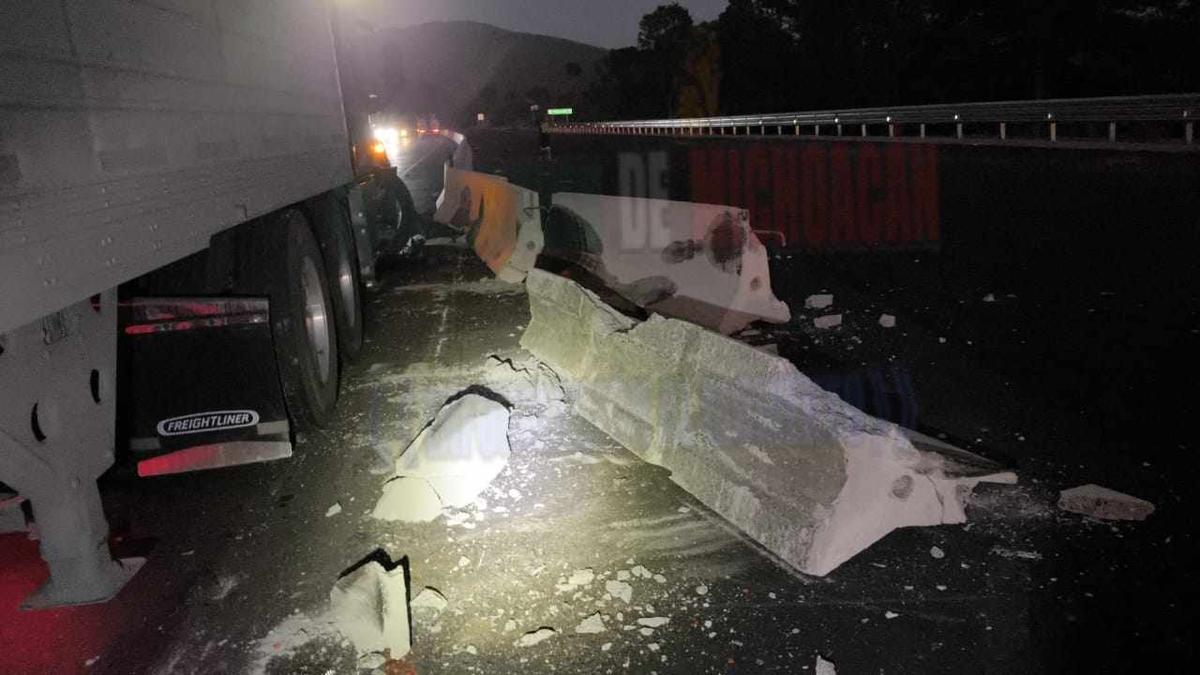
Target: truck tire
{"points": [[336, 239], [397, 214], [285, 264]]}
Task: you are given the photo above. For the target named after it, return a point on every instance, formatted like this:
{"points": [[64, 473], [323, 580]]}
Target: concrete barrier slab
{"points": [[709, 253], [799, 470]]}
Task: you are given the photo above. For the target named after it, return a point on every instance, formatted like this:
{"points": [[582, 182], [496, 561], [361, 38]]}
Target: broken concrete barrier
{"points": [[461, 451], [1101, 502], [502, 221], [808, 476], [705, 262], [370, 607]]}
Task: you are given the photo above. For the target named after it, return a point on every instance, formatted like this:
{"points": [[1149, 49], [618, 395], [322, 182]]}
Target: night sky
{"points": [[605, 23]]}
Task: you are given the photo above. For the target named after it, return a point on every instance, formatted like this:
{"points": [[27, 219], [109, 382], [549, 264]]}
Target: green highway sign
{"points": [[560, 111]]}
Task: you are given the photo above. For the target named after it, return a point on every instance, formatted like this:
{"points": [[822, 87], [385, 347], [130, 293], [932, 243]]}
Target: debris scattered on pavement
{"points": [[887, 320], [577, 579], [333, 510], [937, 552], [619, 589], [990, 297], [428, 605], [594, 623], [370, 607], [824, 667], [819, 301], [1101, 502], [1012, 554], [535, 636], [653, 621], [828, 321]]}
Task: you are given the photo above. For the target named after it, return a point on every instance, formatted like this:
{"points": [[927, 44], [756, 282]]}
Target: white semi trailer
{"points": [[189, 148]]}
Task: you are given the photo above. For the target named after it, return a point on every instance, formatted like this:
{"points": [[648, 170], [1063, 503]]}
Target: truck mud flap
{"points": [[205, 390]]}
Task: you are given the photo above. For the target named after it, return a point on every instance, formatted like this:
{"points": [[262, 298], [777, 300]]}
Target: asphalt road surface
{"points": [[241, 561]]}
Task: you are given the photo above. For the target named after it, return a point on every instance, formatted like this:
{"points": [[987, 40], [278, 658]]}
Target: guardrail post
{"points": [[922, 130], [1054, 132], [1187, 133], [958, 131], [839, 130], [1003, 131], [891, 131], [1112, 132], [816, 130], [863, 128]]}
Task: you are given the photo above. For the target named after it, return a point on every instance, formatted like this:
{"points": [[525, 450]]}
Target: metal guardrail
{"points": [[1109, 112]]}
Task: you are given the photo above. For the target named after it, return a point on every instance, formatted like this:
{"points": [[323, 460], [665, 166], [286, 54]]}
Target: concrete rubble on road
{"points": [[808, 476], [535, 636], [450, 462], [824, 667], [593, 624], [1101, 502], [370, 607], [698, 262], [828, 321], [819, 301]]}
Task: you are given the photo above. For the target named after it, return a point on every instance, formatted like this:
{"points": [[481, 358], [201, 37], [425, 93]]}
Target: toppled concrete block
{"points": [[698, 262], [887, 320], [824, 667], [819, 301], [828, 321], [408, 499], [370, 607], [710, 409], [1101, 502], [461, 451]]}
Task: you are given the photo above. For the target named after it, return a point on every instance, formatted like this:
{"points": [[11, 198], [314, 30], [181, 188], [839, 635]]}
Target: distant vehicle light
{"points": [[404, 133]]}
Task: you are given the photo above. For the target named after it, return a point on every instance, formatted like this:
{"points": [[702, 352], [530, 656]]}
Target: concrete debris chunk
{"points": [[333, 510], [642, 572], [461, 451], [824, 667], [619, 589], [408, 499], [828, 321], [535, 636], [704, 406], [578, 578], [370, 607], [887, 320], [819, 301], [1101, 502], [654, 621], [937, 552], [428, 605], [594, 623]]}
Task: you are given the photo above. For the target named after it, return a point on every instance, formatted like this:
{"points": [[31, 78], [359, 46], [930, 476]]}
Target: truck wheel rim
{"points": [[316, 317]]}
